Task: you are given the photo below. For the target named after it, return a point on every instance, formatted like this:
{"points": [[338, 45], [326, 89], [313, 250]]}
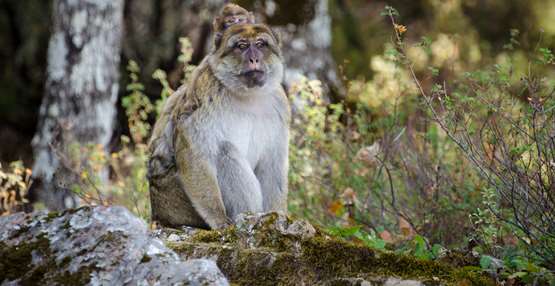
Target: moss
{"points": [[459, 259], [472, 275], [260, 266], [320, 258], [52, 215], [263, 267], [222, 236], [146, 258], [333, 258], [23, 229], [65, 261], [15, 261], [79, 277]]}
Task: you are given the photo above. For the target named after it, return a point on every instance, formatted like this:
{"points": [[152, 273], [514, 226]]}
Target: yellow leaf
{"points": [[400, 28], [335, 207]]}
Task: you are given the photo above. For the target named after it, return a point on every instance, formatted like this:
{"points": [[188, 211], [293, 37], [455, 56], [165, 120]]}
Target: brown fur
{"points": [[206, 183]]}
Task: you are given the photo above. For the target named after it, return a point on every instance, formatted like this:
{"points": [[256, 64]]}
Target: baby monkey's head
{"points": [[230, 15]]}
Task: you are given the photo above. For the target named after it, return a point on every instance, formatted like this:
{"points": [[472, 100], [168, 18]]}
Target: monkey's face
{"points": [[235, 19], [249, 57]]}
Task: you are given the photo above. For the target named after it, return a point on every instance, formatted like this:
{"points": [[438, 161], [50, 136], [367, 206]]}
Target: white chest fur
{"points": [[252, 124]]}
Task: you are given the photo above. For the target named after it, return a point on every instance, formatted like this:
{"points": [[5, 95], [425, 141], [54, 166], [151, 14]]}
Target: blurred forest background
{"points": [[421, 126]]}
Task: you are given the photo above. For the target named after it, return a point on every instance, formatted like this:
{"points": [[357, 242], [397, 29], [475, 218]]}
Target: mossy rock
{"points": [[271, 249]]}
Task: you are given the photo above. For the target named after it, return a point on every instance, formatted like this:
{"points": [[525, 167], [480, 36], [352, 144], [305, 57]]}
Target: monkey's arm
{"points": [[199, 181], [272, 175]]}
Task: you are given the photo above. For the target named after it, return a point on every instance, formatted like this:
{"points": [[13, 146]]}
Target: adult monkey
{"points": [[220, 146]]}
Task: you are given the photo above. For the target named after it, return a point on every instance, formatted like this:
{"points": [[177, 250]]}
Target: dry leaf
{"points": [[386, 236], [335, 207], [401, 29], [368, 154], [405, 228]]}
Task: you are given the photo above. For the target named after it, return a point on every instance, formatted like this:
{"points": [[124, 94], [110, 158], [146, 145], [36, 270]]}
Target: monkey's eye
{"points": [[242, 45], [261, 44]]}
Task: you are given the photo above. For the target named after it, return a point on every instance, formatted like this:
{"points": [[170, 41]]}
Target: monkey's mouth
{"points": [[253, 78]]}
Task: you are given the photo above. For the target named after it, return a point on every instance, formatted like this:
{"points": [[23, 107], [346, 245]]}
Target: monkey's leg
{"points": [[239, 186], [271, 172], [197, 174]]}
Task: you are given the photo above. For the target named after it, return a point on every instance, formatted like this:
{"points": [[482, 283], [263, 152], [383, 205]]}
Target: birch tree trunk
{"points": [[80, 92]]}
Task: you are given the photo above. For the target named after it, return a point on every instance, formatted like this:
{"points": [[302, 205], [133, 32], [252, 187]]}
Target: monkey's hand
{"points": [[199, 181]]}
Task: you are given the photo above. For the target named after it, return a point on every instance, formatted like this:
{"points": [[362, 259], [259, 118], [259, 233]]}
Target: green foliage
{"points": [[137, 105], [185, 58], [369, 239], [500, 126], [441, 146], [547, 57], [417, 246], [389, 11]]}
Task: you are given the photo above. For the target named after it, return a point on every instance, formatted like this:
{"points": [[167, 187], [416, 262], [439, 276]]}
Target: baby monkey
{"points": [[231, 14]]}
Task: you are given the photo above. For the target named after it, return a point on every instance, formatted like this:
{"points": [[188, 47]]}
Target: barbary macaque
{"points": [[220, 146]]}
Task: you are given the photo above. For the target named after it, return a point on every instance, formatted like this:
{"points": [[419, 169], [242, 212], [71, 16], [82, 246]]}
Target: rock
{"points": [[110, 246], [272, 249], [399, 282], [373, 282], [268, 229], [93, 246]]}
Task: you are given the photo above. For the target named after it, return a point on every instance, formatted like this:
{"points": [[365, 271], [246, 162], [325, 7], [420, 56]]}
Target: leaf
{"points": [[389, 11], [369, 154], [344, 231], [336, 207], [386, 236], [420, 248], [485, 261], [405, 228], [436, 250], [435, 72], [401, 29], [519, 274]]}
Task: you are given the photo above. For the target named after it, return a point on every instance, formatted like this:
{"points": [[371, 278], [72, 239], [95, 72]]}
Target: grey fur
{"points": [[220, 149]]}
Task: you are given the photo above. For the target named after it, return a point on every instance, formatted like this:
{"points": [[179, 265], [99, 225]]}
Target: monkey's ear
{"points": [[218, 31], [216, 24], [277, 36], [217, 40]]}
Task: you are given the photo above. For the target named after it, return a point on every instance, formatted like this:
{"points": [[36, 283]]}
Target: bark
{"points": [[80, 92]]}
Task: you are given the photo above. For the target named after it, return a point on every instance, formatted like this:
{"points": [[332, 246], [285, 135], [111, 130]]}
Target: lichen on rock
{"points": [[92, 246]]}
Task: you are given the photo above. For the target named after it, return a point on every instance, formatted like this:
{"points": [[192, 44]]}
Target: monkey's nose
{"points": [[254, 64]]}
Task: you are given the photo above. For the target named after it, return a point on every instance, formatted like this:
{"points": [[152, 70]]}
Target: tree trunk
{"points": [[305, 28], [80, 92]]}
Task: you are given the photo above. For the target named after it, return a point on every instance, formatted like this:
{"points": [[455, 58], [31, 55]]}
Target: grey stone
{"points": [[94, 246]]}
